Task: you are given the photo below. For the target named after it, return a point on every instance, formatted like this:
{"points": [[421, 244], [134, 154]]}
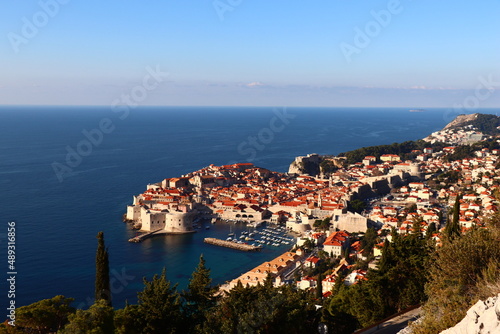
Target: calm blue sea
{"points": [[57, 222]]}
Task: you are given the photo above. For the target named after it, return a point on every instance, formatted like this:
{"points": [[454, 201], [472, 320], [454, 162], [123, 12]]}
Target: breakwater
{"points": [[231, 244], [141, 237]]}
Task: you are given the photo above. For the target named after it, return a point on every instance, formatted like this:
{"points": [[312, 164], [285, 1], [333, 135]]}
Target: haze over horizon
{"points": [[392, 53]]}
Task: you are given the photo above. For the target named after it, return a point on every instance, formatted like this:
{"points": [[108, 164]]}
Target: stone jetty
{"points": [[231, 244]]}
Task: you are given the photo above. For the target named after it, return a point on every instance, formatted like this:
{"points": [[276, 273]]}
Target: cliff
{"points": [[314, 164], [483, 317], [306, 165], [461, 120]]}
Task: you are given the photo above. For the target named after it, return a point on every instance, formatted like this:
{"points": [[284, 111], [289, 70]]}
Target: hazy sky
{"points": [[418, 53]]}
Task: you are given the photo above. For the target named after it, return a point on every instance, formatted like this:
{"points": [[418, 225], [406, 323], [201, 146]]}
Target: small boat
{"points": [[207, 227]]}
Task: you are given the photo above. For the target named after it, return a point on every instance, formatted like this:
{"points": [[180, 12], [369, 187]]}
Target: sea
{"points": [[67, 173]]}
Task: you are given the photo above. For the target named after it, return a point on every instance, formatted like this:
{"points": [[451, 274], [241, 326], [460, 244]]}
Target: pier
{"points": [[141, 237], [231, 244]]}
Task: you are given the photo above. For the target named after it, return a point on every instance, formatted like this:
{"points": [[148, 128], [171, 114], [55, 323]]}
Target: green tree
{"points": [[430, 230], [102, 290], [336, 313], [263, 309], [397, 284], [368, 241], [327, 166], [417, 227], [160, 306], [98, 319], [452, 229], [308, 244], [459, 269], [129, 320], [356, 205], [319, 287], [45, 316], [199, 295], [412, 208], [323, 224], [389, 258]]}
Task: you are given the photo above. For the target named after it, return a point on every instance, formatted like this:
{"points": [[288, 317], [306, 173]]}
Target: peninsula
{"points": [[332, 201], [244, 192], [315, 187]]}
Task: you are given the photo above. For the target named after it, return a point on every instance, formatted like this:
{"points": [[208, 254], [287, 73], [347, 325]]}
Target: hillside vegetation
{"points": [[486, 123], [404, 150], [464, 270]]}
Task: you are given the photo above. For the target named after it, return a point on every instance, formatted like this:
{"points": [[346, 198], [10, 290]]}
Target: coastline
{"points": [[110, 167]]}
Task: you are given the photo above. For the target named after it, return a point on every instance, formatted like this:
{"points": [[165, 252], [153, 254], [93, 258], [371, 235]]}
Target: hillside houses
{"points": [[274, 269], [336, 243]]}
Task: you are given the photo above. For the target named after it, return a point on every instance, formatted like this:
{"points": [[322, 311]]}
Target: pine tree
{"points": [[129, 320], [102, 290], [200, 294], [160, 306], [98, 319], [44, 316]]}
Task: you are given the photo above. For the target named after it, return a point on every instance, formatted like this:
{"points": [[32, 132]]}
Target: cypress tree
{"points": [[102, 290], [387, 259], [417, 227], [430, 230], [319, 287], [452, 228]]}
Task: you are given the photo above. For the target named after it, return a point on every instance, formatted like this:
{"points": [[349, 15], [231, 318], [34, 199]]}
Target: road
{"points": [[395, 324]]}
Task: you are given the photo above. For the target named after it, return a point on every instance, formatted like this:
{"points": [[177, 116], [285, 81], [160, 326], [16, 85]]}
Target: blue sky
{"points": [[289, 53]]}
